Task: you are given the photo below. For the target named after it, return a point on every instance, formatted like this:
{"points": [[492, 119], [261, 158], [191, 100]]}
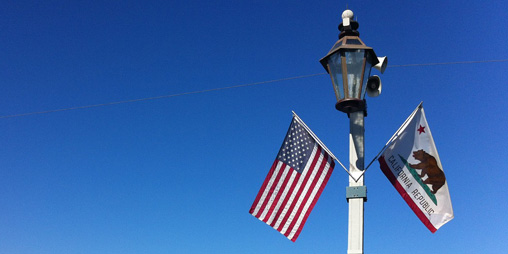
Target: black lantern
{"points": [[349, 63]]}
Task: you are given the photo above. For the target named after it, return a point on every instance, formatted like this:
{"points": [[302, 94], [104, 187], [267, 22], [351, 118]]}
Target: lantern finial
{"points": [[348, 25], [348, 14]]}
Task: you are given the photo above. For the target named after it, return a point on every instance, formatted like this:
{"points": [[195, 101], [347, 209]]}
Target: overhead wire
{"points": [[449, 63], [224, 88], [160, 97]]}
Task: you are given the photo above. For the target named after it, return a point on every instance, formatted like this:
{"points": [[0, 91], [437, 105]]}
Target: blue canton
{"points": [[297, 147]]}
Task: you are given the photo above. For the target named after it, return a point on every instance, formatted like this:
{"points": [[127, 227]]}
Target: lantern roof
{"points": [[348, 43]]}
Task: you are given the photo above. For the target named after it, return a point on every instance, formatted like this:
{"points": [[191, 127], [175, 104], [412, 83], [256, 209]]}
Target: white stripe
{"points": [[276, 190], [267, 188], [297, 187], [292, 176], [302, 196], [310, 200]]}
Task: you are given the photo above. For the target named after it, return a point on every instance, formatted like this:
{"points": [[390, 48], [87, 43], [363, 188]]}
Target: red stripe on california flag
{"points": [[288, 171], [389, 174], [271, 190], [318, 194], [300, 190], [265, 183]]}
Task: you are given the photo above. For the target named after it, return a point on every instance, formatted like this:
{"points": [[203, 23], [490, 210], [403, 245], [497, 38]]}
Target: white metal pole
{"points": [[356, 193]]}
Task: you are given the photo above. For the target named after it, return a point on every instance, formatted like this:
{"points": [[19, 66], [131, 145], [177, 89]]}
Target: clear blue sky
{"points": [[178, 175]]}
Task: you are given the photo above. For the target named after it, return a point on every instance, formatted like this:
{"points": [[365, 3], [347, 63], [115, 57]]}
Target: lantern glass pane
{"points": [[355, 72], [366, 75], [335, 69]]}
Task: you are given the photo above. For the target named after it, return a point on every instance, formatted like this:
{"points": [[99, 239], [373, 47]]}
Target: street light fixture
{"points": [[349, 63]]}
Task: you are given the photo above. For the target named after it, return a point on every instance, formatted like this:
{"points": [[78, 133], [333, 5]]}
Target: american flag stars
{"points": [[296, 147]]}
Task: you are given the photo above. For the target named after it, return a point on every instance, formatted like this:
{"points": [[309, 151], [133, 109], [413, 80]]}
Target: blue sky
{"points": [[178, 175]]}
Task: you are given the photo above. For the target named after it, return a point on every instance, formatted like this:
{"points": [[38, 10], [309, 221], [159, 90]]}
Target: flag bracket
{"points": [[356, 192]]}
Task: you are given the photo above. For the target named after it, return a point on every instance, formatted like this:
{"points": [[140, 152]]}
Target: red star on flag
{"points": [[421, 129]]}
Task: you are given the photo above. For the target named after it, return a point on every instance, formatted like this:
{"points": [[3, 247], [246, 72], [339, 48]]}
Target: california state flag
{"points": [[412, 165]]}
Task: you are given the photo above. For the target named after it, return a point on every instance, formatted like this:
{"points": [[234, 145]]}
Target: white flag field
{"points": [[411, 163]]}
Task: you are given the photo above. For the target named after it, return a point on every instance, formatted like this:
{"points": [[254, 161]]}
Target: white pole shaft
{"points": [[356, 167]]}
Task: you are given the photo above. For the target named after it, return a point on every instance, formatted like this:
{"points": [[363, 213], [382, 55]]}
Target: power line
{"points": [[160, 97], [228, 87], [449, 63]]}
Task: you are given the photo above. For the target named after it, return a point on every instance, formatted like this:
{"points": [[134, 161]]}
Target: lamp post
{"points": [[349, 63]]}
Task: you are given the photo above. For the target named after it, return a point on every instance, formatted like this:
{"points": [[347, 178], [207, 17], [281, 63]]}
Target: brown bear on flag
{"points": [[429, 167]]}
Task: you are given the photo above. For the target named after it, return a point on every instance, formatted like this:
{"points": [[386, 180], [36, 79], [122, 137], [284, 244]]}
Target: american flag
{"points": [[294, 183]]}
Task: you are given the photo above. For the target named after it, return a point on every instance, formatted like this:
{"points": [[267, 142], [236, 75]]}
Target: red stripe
{"points": [[320, 169], [300, 190], [286, 199], [307, 195], [279, 193], [271, 190], [389, 174], [318, 194], [263, 187]]}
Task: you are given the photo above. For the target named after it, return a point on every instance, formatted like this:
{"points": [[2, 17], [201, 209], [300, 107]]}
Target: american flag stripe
{"points": [[280, 191], [281, 221], [317, 188], [267, 183], [295, 204], [293, 191], [282, 209], [271, 189], [276, 208], [275, 192], [305, 200]]}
